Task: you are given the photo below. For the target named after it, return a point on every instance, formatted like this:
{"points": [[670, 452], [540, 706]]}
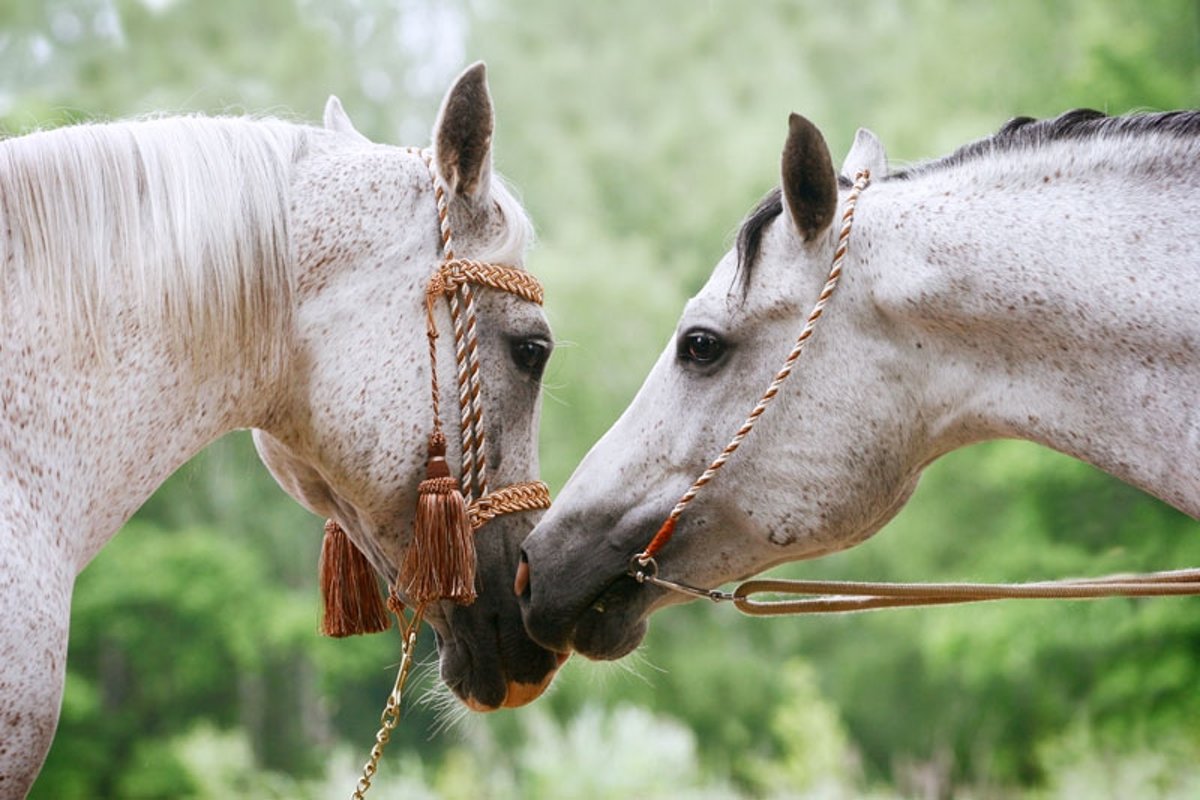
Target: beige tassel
{"points": [[440, 562], [349, 588]]}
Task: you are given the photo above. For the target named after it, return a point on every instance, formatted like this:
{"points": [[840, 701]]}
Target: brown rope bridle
{"points": [[842, 596], [454, 280]]}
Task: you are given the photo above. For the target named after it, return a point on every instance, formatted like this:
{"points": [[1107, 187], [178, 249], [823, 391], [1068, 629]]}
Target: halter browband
{"points": [[840, 596]]}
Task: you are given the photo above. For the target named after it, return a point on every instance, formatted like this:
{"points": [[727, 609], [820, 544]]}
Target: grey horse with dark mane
{"points": [[1042, 283]]}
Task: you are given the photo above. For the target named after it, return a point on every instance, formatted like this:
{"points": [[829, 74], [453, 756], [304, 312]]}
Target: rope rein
{"points": [[390, 718], [821, 597]]}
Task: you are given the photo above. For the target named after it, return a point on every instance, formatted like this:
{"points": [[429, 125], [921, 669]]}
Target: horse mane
{"points": [[1027, 133], [516, 233], [178, 222], [1018, 134]]}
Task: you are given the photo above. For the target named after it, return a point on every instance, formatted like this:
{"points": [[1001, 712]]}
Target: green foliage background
{"points": [[638, 134]]}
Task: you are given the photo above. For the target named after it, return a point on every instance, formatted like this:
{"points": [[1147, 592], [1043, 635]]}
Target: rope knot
{"points": [[443, 485]]}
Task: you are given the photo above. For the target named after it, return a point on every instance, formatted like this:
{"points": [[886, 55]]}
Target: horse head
{"points": [[827, 465], [347, 439]]}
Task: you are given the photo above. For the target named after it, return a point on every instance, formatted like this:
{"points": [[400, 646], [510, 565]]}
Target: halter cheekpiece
{"points": [[440, 562]]}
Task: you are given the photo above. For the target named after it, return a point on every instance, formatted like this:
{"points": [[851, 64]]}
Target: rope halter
{"points": [[440, 563], [646, 557]]}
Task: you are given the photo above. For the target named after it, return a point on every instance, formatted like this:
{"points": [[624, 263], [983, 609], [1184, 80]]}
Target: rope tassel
{"points": [[349, 588], [440, 562]]}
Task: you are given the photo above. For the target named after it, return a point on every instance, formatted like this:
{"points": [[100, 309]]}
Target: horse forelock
{"points": [[750, 234], [179, 221], [749, 237]]}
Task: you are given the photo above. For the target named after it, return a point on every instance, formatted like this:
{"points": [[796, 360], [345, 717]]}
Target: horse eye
{"points": [[700, 347], [530, 356]]}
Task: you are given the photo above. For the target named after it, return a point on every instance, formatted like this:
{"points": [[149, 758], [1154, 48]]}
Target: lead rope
{"points": [[845, 596], [390, 717], [827, 597]]}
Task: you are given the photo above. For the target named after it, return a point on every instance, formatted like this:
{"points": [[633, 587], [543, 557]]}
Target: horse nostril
{"points": [[521, 584]]}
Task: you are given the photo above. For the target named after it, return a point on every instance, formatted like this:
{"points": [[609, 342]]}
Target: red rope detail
{"points": [[661, 538]]}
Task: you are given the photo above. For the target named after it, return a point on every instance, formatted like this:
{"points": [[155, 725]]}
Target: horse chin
{"points": [[516, 694], [602, 637], [516, 673]]}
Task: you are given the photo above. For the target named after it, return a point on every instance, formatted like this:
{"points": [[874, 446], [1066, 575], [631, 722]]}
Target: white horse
{"points": [[1042, 284], [166, 281]]}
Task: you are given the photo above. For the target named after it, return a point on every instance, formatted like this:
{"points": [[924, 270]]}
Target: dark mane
{"points": [[1026, 133], [1021, 133]]}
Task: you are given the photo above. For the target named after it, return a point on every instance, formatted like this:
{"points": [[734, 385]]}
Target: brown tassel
{"points": [[440, 562], [353, 602]]}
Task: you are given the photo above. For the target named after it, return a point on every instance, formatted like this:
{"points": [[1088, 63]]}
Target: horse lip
{"points": [[612, 624], [556, 632]]}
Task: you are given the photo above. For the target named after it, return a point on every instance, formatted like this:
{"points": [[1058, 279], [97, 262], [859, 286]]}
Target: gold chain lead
{"points": [[390, 717]]}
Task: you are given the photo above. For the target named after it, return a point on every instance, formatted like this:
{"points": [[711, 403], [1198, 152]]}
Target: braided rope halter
{"points": [[839, 596], [454, 279]]}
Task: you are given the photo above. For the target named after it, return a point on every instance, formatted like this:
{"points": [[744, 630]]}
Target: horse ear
{"points": [[462, 136], [336, 119], [809, 183], [865, 154]]}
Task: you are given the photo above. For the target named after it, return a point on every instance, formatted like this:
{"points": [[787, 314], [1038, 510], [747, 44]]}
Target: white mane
{"points": [[516, 233], [180, 222]]}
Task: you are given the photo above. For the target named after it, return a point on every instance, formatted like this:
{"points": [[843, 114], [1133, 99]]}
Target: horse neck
{"points": [[86, 436], [1058, 305], [144, 266]]}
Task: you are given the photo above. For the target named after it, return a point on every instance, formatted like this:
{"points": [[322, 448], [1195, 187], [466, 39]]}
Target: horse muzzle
{"points": [[513, 672], [582, 601]]}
